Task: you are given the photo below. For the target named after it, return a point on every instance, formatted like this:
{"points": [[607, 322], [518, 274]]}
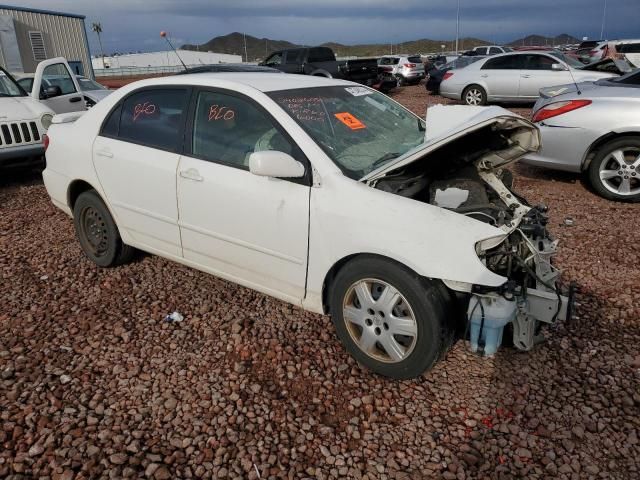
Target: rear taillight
{"points": [[45, 141], [558, 108], [410, 65], [447, 75]]}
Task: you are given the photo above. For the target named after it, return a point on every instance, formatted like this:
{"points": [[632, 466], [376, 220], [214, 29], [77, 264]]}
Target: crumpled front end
{"points": [[531, 295], [463, 171]]}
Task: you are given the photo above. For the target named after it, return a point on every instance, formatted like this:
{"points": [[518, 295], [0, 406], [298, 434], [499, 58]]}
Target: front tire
{"points": [[474, 95], [390, 319], [614, 172], [97, 232]]}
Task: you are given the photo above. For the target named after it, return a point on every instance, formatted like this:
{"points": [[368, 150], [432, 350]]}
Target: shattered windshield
{"points": [[359, 128], [8, 87]]}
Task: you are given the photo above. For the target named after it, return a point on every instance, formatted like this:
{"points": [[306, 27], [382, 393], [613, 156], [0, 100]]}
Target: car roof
{"points": [[262, 81]]}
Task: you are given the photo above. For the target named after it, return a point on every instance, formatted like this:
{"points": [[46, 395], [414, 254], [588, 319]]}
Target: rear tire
{"points": [[97, 232], [474, 95], [389, 319], [400, 81], [614, 172]]}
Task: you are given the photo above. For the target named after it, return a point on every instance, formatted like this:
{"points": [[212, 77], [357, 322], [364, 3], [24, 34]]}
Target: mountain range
{"points": [[259, 48]]}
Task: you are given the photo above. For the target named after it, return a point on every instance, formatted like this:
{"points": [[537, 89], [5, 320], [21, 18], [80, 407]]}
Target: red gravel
{"points": [[94, 383]]}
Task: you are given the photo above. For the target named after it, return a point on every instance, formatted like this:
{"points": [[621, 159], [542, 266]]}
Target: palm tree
{"points": [[97, 27]]}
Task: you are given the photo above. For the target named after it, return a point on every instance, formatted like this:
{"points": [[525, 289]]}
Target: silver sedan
{"points": [[593, 128], [514, 77]]}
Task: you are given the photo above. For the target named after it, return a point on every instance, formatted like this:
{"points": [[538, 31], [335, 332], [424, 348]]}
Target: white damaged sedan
{"points": [[324, 194]]}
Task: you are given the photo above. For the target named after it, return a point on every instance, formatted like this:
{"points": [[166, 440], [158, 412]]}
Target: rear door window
{"points": [[508, 62], [481, 50], [539, 62], [321, 55], [153, 118]]}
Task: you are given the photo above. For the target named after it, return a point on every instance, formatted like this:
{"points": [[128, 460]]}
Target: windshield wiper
{"points": [[385, 158]]}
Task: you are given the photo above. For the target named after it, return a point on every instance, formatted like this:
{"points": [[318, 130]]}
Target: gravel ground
{"points": [[94, 384]]}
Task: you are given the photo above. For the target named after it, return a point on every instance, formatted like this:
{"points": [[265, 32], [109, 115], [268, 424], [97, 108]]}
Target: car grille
{"points": [[18, 133]]}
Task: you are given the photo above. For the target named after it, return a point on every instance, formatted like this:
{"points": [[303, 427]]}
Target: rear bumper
{"points": [[413, 75], [57, 186], [563, 148], [454, 95], [21, 155]]}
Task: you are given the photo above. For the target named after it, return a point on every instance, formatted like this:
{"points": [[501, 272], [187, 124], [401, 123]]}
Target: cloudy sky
{"points": [[131, 25]]}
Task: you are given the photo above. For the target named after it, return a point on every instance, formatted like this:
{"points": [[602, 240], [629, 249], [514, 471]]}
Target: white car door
{"points": [[56, 86], [501, 75], [539, 72], [250, 229], [136, 157]]}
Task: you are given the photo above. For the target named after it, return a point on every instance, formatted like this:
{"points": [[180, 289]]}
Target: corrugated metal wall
{"points": [[63, 37]]}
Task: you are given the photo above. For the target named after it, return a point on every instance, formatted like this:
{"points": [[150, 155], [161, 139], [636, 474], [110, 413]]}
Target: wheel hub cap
{"points": [[380, 320]]}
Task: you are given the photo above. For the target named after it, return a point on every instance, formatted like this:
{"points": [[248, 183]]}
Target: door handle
{"points": [[484, 75], [75, 99], [525, 76], [191, 174], [104, 153]]}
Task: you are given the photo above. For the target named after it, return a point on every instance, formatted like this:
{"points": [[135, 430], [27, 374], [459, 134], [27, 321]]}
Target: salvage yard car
{"points": [[515, 77], [23, 122], [593, 128], [322, 193]]}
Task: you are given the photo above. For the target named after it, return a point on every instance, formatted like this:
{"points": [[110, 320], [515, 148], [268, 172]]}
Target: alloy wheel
{"points": [[380, 320], [473, 97], [619, 171]]}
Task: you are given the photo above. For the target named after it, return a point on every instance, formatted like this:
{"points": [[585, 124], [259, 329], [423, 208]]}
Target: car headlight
{"points": [[46, 120], [489, 243]]}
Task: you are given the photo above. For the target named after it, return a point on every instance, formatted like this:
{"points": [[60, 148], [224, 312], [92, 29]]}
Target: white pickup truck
{"points": [[25, 118]]}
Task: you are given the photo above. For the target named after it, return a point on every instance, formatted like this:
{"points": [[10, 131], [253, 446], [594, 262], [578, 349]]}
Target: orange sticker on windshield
{"points": [[350, 121]]}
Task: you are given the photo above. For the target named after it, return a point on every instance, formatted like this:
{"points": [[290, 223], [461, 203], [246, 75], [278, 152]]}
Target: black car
{"points": [[436, 74], [228, 67]]}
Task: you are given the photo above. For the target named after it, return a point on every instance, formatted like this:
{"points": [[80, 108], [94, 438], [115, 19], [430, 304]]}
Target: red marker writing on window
{"points": [[145, 108], [217, 112]]}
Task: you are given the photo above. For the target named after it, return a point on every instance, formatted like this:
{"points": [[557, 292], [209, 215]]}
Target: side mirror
{"points": [[271, 163], [559, 67], [53, 91]]}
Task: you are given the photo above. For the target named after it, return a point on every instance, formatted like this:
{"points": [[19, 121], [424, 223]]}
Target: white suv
{"points": [[407, 69], [491, 50], [23, 122]]}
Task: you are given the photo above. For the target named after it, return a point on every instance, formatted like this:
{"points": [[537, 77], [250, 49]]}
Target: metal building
{"points": [[28, 36]]}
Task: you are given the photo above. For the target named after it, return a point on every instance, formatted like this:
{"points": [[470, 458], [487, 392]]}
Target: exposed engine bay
{"points": [[462, 176]]}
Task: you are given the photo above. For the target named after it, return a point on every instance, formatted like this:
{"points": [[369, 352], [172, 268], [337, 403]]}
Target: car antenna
{"points": [[163, 34], [574, 80]]}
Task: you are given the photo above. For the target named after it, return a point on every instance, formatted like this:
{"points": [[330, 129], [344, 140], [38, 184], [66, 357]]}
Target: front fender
{"points": [[348, 217]]}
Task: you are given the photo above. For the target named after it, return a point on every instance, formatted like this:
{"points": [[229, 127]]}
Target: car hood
{"points": [[20, 108], [608, 65], [448, 123]]}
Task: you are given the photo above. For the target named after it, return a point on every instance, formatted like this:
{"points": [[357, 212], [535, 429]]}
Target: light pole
{"points": [[457, 26], [604, 17], [97, 27]]}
